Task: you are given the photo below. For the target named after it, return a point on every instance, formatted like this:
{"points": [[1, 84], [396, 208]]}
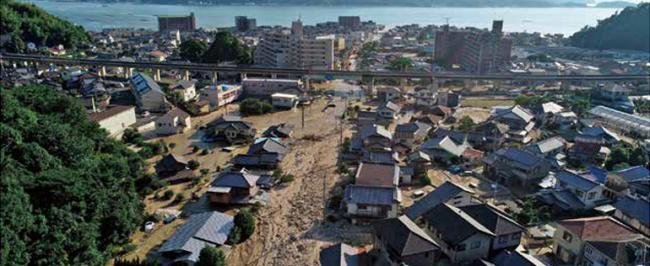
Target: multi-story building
{"points": [[449, 47], [243, 23], [485, 52], [350, 22], [292, 50], [181, 23], [474, 51]]}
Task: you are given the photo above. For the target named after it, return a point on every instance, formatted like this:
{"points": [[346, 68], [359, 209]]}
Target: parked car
{"points": [[455, 169], [149, 226]]}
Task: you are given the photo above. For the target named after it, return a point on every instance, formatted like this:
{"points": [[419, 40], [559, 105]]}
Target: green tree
{"points": [[193, 164], [638, 156], [68, 190], [627, 30], [401, 64], [28, 23], [193, 50], [252, 106], [245, 221], [619, 154], [226, 47], [466, 124], [211, 256]]}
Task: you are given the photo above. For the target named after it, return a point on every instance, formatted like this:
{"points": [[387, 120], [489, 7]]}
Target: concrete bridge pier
{"points": [[402, 83], [156, 74], [306, 83], [214, 76], [186, 75], [128, 72], [434, 84], [274, 76], [242, 76], [371, 86], [102, 71]]}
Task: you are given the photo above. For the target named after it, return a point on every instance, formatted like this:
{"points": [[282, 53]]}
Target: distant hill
{"points": [[415, 3], [629, 30], [615, 4], [26, 23]]}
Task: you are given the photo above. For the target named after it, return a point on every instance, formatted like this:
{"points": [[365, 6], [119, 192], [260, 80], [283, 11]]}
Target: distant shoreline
{"points": [[541, 4]]}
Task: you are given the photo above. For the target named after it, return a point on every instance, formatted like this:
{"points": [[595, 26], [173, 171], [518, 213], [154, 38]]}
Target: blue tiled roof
{"points": [[576, 180], [637, 208], [520, 156], [634, 173]]}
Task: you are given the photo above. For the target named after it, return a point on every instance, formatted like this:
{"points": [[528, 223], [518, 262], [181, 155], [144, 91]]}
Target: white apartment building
{"points": [[284, 49]]}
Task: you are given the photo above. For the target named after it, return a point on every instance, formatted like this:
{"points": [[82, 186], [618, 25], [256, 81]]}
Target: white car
{"points": [[149, 226]]}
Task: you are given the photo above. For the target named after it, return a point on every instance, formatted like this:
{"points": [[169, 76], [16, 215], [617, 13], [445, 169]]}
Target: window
{"points": [[476, 244], [460, 247], [515, 236], [591, 195], [567, 236], [503, 239]]}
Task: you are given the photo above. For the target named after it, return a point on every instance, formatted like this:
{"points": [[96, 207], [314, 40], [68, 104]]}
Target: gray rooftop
{"points": [[453, 224], [241, 179], [200, 230], [441, 194], [372, 195], [404, 236]]}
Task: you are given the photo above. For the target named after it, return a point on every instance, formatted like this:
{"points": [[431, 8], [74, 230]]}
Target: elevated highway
{"points": [[329, 74]]}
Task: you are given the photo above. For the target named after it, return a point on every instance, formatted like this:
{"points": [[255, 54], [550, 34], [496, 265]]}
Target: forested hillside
{"points": [[629, 29], [27, 23], [67, 191]]}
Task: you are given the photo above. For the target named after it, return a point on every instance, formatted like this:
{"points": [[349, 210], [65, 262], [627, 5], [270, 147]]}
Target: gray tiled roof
{"points": [[493, 219], [268, 145], [547, 145], [200, 230], [441, 194], [374, 130], [381, 157], [523, 157], [372, 195], [508, 258], [444, 143], [404, 236], [241, 179], [453, 224]]}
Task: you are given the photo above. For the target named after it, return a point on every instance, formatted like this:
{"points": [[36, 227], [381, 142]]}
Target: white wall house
{"points": [[220, 95], [176, 121], [115, 119], [284, 100], [186, 88]]}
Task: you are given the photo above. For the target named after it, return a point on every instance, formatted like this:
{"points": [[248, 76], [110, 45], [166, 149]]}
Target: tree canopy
{"points": [[28, 23], [68, 194], [628, 29], [226, 47], [211, 256], [193, 50]]}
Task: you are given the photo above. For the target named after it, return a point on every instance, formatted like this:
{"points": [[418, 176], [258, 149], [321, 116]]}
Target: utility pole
{"points": [[302, 109]]}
